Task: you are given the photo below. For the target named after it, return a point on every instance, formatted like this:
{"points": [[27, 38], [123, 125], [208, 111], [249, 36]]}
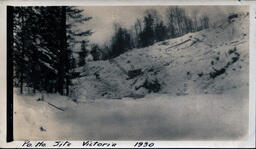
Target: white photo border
{"points": [[249, 142]]}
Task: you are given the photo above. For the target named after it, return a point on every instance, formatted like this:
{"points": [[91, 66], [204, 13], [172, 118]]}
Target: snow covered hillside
{"points": [[188, 88], [209, 61]]}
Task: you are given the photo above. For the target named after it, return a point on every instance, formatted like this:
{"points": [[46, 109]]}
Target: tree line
{"points": [[43, 39], [149, 29]]}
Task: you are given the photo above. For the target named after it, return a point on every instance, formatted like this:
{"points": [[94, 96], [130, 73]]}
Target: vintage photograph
{"points": [[174, 73]]}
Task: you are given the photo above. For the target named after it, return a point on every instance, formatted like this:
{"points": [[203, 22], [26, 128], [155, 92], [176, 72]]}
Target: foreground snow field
{"points": [[157, 116]]}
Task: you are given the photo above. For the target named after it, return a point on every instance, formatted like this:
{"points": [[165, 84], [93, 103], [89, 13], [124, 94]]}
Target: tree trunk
{"points": [[67, 60], [61, 70], [22, 56]]}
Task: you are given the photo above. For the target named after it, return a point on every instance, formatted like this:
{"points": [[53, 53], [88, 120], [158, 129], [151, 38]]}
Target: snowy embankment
{"points": [[157, 116], [200, 91], [210, 61]]}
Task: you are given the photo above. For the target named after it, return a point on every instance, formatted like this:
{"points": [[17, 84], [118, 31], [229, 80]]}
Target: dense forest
{"points": [[43, 42], [44, 39]]}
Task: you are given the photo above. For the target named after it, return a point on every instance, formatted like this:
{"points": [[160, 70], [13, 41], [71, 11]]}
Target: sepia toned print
{"points": [[131, 72]]}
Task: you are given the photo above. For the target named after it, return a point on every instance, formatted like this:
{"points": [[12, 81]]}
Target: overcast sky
{"points": [[103, 17]]}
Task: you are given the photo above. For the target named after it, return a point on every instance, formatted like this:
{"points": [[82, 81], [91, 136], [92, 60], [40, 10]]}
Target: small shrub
{"points": [[152, 86], [134, 73], [217, 73], [200, 74], [232, 16]]}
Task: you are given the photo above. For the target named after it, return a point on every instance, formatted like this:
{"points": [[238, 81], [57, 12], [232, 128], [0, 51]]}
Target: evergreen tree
{"points": [[147, 35], [44, 37], [160, 32], [96, 52], [82, 54], [153, 29], [121, 41], [24, 46], [204, 22]]}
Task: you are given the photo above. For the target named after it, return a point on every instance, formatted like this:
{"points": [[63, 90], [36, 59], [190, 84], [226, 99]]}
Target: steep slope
{"points": [[209, 61]]}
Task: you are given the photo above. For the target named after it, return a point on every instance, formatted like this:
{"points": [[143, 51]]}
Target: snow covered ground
{"points": [[203, 81], [157, 116]]}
